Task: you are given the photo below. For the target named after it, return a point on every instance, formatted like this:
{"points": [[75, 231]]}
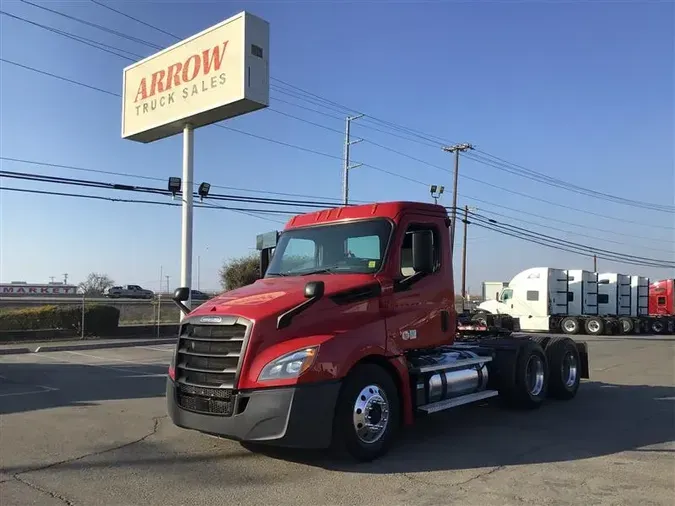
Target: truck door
{"points": [[423, 313]]}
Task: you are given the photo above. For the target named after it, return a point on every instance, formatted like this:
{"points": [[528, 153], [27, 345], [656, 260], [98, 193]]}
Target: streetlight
{"points": [[174, 185], [203, 190], [436, 192]]}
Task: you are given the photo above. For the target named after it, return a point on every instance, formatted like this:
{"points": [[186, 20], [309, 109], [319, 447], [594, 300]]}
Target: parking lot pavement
{"points": [[90, 428]]}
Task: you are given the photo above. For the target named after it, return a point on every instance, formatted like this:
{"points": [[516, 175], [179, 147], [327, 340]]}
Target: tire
{"points": [[530, 384], [564, 362], [569, 325], [626, 325], [658, 326], [594, 326], [367, 385], [483, 318]]}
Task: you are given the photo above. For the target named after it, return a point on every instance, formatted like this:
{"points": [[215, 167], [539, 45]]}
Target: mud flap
{"points": [[582, 348]]}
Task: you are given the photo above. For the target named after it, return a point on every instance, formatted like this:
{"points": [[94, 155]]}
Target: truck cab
{"points": [[350, 333]]}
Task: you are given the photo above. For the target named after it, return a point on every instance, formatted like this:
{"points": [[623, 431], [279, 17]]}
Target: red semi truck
{"points": [[350, 334], [662, 306]]}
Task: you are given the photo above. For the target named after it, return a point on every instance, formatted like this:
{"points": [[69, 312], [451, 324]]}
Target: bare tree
{"points": [[95, 284]]}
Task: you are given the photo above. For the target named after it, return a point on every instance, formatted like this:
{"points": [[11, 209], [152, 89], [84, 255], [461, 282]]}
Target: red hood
{"points": [[271, 296]]}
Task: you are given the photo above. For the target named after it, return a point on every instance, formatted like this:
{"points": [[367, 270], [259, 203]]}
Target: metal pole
{"points": [[199, 272], [345, 163], [187, 208], [595, 263], [159, 312], [466, 222], [82, 325]]}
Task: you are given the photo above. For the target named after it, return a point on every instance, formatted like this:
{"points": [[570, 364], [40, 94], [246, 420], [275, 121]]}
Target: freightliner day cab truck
{"points": [[577, 301], [351, 334]]}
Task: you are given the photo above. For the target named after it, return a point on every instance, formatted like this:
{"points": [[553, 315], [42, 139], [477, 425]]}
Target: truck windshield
{"points": [[355, 247]]}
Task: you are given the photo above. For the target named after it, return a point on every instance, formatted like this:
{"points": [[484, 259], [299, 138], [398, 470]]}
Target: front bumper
{"points": [[297, 417]]}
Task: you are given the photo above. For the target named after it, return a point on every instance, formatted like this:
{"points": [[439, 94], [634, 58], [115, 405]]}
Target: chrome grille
{"points": [[208, 360]]}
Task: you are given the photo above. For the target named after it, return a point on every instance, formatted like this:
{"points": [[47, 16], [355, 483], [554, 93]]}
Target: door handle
{"points": [[445, 319]]}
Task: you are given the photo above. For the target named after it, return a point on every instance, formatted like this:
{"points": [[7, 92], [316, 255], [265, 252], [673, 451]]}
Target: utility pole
{"points": [[595, 263], [51, 279], [65, 278], [346, 167], [456, 150], [161, 277], [466, 229], [168, 289]]}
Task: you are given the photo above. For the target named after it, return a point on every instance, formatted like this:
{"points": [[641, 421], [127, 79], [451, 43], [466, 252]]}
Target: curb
{"points": [[14, 351], [99, 346]]}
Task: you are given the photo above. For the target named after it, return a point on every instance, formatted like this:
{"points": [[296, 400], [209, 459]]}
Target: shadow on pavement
{"points": [[603, 419], [33, 386]]}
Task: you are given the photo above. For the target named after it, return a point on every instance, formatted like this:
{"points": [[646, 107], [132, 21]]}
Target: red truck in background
{"points": [[662, 306], [351, 334]]}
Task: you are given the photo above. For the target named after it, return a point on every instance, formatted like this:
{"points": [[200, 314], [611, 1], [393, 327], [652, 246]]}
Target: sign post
{"points": [[187, 211], [217, 74]]}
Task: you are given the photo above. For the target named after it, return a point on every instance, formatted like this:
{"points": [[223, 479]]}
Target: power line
{"points": [[583, 247], [420, 135], [302, 148], [327, 201], [94, 25], [488, 222], [501, 166]]}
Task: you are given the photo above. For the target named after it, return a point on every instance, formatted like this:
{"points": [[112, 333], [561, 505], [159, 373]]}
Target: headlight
{"points": [[290, 365]]}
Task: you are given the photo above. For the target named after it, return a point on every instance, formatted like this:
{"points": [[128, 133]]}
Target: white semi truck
{"points": [[571, 301]]}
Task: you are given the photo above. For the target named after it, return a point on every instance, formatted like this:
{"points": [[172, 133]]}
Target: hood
{"points": [[271, 296]]}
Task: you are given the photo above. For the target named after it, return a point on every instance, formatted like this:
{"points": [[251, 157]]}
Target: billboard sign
{"points": [[219, 73]]}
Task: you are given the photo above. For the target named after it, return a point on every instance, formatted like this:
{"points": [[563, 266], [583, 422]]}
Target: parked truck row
{"points": [[544, 299], [350, 335]]}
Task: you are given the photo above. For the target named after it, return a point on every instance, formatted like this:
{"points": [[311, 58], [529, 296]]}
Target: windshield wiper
{"points": [[326, 270], [279, 274]]}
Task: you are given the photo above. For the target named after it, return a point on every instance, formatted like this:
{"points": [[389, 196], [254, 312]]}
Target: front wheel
{"points": [[367, 414]]}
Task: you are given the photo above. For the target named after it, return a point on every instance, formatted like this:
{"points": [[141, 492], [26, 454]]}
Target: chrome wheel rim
{"points": [[371, 414], [570, 369], [535, 375], [594, 326], [570, 325]]}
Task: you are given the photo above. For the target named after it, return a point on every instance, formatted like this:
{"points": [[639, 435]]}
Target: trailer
{"points": [[350, 335], [544, 299]]}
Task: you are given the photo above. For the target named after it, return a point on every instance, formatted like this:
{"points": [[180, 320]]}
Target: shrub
{"points": [[98, 319]]}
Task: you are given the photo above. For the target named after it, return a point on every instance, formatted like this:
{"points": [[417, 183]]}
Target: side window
{"points": [[507, 294], [299, 254], [570, 296], [532, 295], [406, 249], [603, 298], [660, 301]]}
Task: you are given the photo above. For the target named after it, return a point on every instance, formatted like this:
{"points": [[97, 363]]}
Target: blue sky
{"points": [[580, 91]]}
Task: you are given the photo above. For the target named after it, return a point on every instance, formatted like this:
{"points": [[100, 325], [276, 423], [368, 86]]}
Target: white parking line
{"points": [[165, 350], [118, 369], [157, 364], [30, 392]]}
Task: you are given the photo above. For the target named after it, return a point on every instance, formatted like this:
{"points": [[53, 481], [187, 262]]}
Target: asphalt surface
{"points": [[89, 428]]}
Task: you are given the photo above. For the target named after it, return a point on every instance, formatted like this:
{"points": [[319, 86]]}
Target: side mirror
{"points": [[181, 294], [314, 289], [423, 251]]}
